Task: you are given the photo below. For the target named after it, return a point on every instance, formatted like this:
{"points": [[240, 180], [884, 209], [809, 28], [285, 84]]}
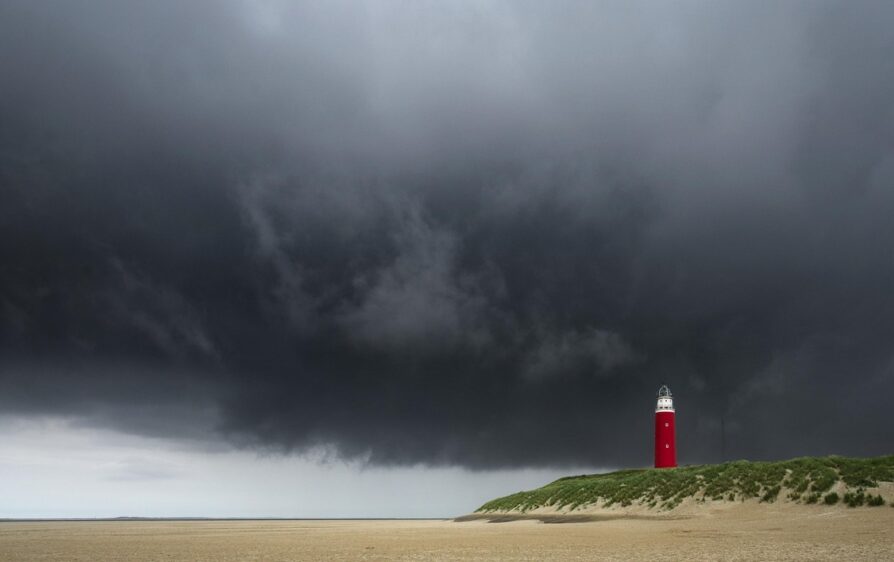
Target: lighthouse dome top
{"points": [[665, 401]]}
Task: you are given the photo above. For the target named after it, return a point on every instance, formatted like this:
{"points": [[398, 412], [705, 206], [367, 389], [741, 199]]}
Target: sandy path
{"points": [[748, 533]]}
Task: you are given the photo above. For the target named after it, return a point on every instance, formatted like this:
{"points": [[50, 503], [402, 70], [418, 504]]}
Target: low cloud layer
{"points": [[480, 234]]}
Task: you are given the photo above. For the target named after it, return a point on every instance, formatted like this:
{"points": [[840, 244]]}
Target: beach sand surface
{"points": [[746, 532]]}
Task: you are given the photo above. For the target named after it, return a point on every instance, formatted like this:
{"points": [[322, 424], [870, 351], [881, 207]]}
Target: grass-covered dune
{"points": [[807, 480]]}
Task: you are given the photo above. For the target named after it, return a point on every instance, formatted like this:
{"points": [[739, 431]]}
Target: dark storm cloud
{"points": [[478, 234]]}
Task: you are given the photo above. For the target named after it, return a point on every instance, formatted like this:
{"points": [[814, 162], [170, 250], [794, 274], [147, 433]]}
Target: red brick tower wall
{"points": [[665, 440]]}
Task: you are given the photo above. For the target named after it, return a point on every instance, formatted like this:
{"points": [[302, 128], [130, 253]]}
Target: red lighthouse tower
{"points": [[665, 435]]}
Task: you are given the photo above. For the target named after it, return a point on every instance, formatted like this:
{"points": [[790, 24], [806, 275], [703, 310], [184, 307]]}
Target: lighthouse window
{"points": [[666, 424], [667, 446]]}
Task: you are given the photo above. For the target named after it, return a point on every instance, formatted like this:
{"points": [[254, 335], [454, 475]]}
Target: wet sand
{"points": [[745, 533]]}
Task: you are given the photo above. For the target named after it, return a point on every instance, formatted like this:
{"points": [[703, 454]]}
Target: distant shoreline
{"points": [[125, 519]]}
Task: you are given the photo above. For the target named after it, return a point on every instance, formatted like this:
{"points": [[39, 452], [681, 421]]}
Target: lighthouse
{"points": [[665, 435]]}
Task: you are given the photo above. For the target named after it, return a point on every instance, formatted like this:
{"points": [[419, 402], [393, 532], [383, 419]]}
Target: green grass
{"points": [[875, 501], [803, 480], [854, 499]]}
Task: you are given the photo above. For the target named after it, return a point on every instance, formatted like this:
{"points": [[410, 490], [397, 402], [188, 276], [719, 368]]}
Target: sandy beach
{"points": [[747, 532]]}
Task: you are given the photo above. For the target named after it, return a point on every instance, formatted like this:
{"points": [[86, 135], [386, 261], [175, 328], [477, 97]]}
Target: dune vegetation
{"points": [[806, 480]]}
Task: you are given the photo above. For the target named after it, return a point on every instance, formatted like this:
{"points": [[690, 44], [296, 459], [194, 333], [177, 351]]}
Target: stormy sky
{"points": [[464, 235]]}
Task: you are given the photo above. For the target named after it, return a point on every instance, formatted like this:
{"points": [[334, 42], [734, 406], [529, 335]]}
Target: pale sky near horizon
{"points": [[52, 468]]}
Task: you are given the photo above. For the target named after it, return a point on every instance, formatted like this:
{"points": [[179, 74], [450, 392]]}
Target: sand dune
{"points": [[746, 532]]}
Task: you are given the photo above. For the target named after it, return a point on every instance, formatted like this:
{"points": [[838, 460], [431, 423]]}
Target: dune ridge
{"points": [[691, 490]]}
